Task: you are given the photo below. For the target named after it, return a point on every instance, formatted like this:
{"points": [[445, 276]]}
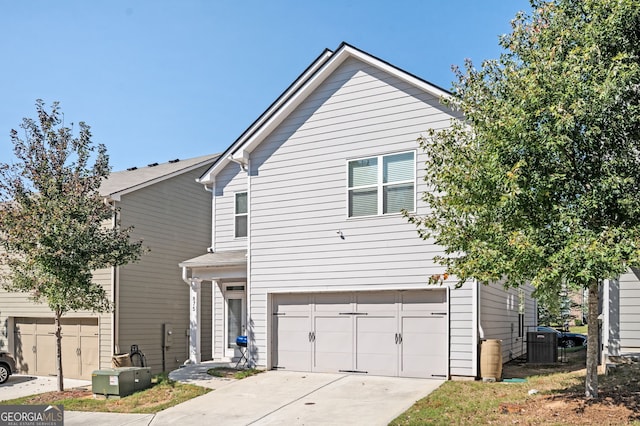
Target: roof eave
{"points": [[116, 196], [313, 76], [209, 176]]}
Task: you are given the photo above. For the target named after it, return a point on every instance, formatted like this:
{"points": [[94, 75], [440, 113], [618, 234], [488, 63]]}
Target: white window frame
{"points": [[236, 214], [380, 185]]}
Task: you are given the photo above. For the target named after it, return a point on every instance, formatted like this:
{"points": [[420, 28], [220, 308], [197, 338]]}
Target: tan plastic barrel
{"points": [[491, 360], [121, 360]]}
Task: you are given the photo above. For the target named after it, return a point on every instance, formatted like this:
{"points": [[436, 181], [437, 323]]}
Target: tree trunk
{"points": [[593, 340], [59, 351]]}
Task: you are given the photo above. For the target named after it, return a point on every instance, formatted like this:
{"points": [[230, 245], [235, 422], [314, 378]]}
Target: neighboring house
{"points": [[310, 255], [172, 214], [620, 316]]}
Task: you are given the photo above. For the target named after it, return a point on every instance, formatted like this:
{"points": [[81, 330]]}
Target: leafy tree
{"points": [[540, 182], [52, 219]]}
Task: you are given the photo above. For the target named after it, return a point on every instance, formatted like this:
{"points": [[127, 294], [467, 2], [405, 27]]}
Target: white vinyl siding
{"points": [[381, 185], [629, 300], [500, 317], [299, 195], [229, 182]]}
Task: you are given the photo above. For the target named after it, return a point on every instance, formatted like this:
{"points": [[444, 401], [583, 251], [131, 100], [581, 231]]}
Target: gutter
{"points": [[185, 275]]}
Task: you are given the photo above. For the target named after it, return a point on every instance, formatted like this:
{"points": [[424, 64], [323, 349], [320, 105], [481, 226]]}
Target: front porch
{"points": [[196, 374], [217, 305]]}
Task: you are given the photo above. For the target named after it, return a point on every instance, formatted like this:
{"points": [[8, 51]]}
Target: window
{"points": [[382, 184], [241, 215]]}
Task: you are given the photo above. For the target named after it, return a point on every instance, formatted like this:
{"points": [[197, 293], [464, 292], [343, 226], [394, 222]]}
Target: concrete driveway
{"points": [[278, 397], [269, 398], [20, 385]]}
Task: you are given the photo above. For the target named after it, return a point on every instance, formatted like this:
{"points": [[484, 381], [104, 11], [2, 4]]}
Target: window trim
{"points": [[380, 185], [236, 214]]}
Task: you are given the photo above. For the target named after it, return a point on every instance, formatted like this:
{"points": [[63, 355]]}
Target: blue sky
{"points": [[159, 80]]}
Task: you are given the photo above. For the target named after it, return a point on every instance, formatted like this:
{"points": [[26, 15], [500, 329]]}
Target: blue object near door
{"points": [[241, 342]]}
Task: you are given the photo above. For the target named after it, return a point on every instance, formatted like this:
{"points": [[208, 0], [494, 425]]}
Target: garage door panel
{"points": [[291, 330], [89, 354], [333, 344], [377, 303], [291, 304], [424, 347], [46, 354], [423, 300], [292, 342], [45, 326], [376, 345], [70, 356], [332, 302], [25, 354]]}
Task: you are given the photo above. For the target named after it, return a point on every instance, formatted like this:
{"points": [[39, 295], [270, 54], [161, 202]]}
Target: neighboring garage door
{"points": [[390, 333], [35, 346]]}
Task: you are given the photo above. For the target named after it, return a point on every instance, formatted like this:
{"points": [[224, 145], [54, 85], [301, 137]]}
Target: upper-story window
{"points": [[382, 184], [241, 215]]}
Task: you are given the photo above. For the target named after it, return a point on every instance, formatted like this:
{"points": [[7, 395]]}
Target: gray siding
{"points": [[299, 200], [499, 310], [173, 218], [629, 313], [105, 323]]}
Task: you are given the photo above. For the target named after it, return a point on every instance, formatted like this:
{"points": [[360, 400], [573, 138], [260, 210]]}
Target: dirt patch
{"points": [[618, 402], [223, 372], [49, 397], [570, 361]]}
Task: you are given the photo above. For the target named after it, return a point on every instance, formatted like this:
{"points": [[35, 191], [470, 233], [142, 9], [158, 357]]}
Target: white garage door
{"points": [[391, 333], [35, 346]]}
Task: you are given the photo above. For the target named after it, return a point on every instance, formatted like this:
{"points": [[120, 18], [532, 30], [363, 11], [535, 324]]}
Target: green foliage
{"points": [[160, 396], [53, 217], [53, 221], [539, 182], [227, 372], [247, 373]]}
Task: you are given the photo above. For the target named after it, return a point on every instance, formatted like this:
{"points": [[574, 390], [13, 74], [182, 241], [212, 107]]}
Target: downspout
{"points": [[477, 330], [212, 248], [251, 348], [211, 189], [115, 284], [185, 275]]}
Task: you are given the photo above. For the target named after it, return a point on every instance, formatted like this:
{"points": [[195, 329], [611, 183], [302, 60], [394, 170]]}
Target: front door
{"points": [[235, 321]]}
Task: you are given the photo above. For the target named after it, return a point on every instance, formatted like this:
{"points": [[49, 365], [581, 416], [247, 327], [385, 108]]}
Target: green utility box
{"points": [[121, 381]]}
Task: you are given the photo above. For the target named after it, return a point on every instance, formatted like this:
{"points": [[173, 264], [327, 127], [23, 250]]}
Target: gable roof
{"points": [[297, 92], [126, 181]]}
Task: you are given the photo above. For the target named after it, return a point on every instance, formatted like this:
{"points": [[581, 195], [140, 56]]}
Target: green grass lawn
{"points": [[582, 329], [163, 393]]}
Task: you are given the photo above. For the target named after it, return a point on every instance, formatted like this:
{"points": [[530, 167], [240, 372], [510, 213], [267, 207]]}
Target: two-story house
{"points": [[311, 257]]}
